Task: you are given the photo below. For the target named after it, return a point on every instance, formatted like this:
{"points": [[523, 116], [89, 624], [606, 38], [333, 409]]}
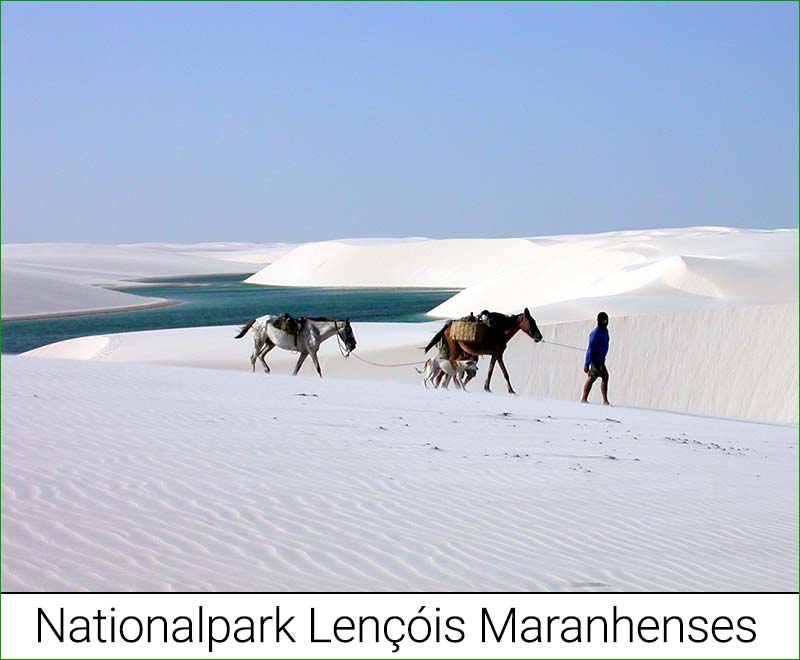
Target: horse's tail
{"points": [[437, 337], [244, 329]]}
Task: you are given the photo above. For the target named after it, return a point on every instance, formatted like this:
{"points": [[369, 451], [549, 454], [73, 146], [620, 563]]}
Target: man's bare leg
{"points": [[604, 391], [586, 389]]}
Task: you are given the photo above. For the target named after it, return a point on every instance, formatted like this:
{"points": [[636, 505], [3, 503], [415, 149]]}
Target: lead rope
{"points": [[403, 364], [346, 354], [555, 343], [411, 364]]}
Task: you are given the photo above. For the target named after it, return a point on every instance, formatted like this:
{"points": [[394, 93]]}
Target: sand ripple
{"points": [[128, 477]]}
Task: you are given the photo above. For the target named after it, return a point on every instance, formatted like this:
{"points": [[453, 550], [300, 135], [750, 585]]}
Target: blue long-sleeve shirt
{"points": [[598, 347]]}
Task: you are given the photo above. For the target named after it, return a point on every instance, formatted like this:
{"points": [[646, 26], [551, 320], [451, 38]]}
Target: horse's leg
{"points": [[452, 347], [257, 346], [262, 356], [316, 363], [299, 364], [505, 373], [489, 375]]}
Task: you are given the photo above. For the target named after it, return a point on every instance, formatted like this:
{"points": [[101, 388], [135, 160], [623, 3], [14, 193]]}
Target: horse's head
{"points": [[345, 331], [529, 326]]}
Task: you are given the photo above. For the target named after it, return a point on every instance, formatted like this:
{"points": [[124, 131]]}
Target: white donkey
{"points": [[314, 331]]}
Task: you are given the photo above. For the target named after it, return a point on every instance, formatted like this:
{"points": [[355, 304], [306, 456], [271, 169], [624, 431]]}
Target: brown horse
{"points": [[497, 334]]}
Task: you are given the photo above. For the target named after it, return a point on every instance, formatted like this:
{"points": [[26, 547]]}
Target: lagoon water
{"points": [[226, 300]]}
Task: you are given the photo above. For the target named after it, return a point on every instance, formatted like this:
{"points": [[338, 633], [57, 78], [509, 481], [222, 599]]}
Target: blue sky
{"points": [[293, 122]]}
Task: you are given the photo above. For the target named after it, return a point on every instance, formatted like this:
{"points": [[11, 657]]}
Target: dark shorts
{"points": [[598, 371]]}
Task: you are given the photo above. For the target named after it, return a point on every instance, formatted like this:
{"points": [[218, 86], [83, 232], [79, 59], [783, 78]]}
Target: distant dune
{"points": [[453, 263], [42, 279], [704, 266]]}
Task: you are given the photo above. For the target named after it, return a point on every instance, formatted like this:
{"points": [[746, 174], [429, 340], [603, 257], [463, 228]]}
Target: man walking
{"points": [[595, 364]]}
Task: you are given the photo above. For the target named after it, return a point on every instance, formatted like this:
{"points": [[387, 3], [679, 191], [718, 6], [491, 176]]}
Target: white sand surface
{"points": [[142, 477], [41, 279]]}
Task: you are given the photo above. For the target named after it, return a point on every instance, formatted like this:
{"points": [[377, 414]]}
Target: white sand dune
{"points": [[227, 481], [241, 253], [717, 264], [42, 279], [452, 263], [50, 295]]}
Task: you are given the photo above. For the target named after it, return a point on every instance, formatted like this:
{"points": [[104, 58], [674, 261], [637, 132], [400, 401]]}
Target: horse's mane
{"points": [[325, 319], [500, 320]]}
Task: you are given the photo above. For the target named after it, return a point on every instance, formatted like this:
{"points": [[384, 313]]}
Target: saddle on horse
{"points": [[493, 319], [290, 325]]}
